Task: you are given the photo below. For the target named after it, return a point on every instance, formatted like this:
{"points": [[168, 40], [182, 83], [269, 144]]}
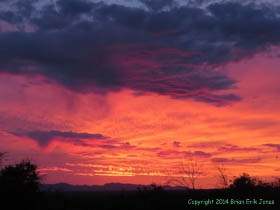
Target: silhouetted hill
{"points": [[64, 187]]}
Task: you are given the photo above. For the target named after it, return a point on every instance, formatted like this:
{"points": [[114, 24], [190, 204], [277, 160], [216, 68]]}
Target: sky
{"points": [[95, 92]]}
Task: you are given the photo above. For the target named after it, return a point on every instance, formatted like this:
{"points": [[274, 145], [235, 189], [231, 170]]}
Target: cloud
{"points": [[276, 146], [176, 144], [171, 153], [55, 169], [256, 124], [234, 148], [209, 144], [222, 147], [182, 154], [158, 4], [126, 146], [236, 161], [201, 154], [97, 48], [61, 14], [44, 138], [148, 149]]}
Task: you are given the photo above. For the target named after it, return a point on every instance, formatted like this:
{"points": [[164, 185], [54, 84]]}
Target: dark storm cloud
{"points": [[26, 7], [74, 7], [97, 48], [61, 14], [10, 17], [20, 10], [43, 138], [158, 4]]}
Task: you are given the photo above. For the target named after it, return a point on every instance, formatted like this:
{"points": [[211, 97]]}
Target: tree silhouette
{"points": [[1, 157], [223, 178], [20, 183], [23, 177], [244, 185], [276, 183], [245, 181], [189, 171]]}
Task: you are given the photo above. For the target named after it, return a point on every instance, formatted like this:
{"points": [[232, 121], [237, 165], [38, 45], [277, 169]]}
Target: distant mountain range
{"points": [[64, 187]]}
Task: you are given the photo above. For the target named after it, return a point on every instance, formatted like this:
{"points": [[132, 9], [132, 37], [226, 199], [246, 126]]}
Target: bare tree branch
{"points": [[222, 175], [194, 171], [189, 172], [2, 154]]}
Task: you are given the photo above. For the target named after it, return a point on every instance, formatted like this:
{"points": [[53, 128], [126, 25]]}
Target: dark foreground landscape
{"points": [[147, 198], [157, 198], [21, 188]]}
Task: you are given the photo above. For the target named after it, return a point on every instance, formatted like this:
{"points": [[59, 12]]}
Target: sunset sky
{"points": [[126, 91]]}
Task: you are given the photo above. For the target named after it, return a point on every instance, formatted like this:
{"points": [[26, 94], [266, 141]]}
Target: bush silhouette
{"points": [[245, 181], [20, 182], [244, 185], [23, 177]]}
